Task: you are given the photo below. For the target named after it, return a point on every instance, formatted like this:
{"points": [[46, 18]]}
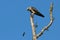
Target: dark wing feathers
{"points": [[37, 12]]}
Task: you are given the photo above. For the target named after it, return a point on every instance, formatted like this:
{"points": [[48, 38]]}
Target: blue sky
{"points": [[15, 19]]}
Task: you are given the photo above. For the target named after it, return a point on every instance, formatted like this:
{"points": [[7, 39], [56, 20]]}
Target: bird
{"points": [[35, 11]]}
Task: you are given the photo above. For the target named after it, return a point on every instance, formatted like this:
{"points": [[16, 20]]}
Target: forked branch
{"points": [[35, 36]]}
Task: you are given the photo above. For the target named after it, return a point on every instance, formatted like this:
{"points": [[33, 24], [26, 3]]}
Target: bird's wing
{"points": [[37, 12]]}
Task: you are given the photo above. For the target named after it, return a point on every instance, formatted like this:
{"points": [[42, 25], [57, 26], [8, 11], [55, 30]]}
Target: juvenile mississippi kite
{"points": [[35, 11]]}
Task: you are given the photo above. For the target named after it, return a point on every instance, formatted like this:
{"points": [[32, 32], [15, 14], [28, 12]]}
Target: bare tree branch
{"points": [[33, 27], [50, 23], [33, 11]]}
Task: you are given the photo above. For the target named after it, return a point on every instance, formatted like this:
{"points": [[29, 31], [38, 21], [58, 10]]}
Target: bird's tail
{"points": [[39, 14]]}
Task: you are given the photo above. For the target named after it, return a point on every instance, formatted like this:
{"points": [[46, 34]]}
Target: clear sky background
{"points": [[15, 19]]}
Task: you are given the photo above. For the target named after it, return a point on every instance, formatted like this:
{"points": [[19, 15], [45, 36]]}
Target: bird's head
{"points": [[31, 9]]}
